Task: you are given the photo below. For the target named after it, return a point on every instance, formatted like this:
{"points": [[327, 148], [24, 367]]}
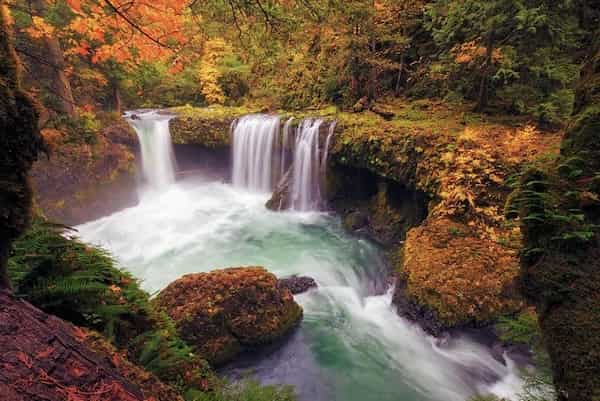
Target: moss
{"points": [[225, 311], [20, 142], [560, 268]]}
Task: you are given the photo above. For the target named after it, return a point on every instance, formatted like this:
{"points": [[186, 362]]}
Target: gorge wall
{"points": [[430, 186]]}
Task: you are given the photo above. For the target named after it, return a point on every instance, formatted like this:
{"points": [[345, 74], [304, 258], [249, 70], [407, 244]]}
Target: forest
{"points": [[300, 200]]}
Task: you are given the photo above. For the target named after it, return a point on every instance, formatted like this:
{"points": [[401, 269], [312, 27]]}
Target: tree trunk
{"points": [[4, 279], [482, 99], [61, 86], [117, 102], [400, 71]]}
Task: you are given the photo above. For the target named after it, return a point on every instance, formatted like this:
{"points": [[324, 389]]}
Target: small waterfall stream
{"points": [[306, 182], [351, 345], [158, 161], [254, 144]]}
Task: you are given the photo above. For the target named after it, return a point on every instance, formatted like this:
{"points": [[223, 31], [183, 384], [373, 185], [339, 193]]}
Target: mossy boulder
{"points": [[461, 278], [224, 312]]}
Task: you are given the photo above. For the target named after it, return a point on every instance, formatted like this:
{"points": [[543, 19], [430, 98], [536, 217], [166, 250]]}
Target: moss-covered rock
{"points": [[461, 166], [78, 181], [560, 263], [206, 126], [226, 311], [20, 143]]}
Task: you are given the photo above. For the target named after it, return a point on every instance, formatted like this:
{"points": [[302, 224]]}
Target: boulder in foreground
{"points": [[226, 311]]}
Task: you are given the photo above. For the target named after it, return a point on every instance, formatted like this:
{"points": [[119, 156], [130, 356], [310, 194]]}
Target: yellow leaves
{"points": [[209, 73], [468, 52], [40, 28]]}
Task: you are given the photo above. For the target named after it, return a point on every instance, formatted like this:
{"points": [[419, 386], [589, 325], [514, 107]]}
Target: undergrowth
{"points": [[81, 284]]}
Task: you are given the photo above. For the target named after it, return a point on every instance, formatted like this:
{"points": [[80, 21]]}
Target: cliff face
{"points": [[80, 181], [559, 206], [460, 265], [20, 143]]}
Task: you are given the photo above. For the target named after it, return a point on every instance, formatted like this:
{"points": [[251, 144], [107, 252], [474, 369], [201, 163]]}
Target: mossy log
{"points": [[43, 357]]}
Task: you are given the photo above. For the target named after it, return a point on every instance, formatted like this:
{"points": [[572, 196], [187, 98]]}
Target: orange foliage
{"points": [[129, 31]]}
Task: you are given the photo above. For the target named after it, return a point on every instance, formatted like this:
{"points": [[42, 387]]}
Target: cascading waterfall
{"points": [[352, 345], [261, 157], [255, 139], [306, 186], [158, 161]]}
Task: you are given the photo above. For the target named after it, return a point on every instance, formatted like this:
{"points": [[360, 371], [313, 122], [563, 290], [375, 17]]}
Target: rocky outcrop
{"points": [[199, 131], [43, 357], [83, 181], [297, 284], [224, 312], [458, 263], [280, 200]]}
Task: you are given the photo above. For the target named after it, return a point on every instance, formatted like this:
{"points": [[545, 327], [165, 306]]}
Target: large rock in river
{"points": [[226, 311]]}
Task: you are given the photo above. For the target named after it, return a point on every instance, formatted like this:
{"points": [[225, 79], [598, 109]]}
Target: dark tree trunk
{"points": [[117, 102], [482, 98], [4, 279], [60, 81]]}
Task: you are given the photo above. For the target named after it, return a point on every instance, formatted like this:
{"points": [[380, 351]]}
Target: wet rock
{"points": [[280, 200], [224, 312], [409, 309], [355, 221], [297, 284]]}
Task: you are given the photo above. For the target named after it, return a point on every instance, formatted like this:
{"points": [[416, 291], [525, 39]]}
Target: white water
{"points": [[158, 162], [255, 140], [351, 346], [260, 157], [306, 182]]}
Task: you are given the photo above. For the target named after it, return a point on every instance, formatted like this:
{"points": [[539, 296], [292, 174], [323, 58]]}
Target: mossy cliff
{"points": [[558, 203], [81, 180], [206, 126], [20, 143], [460, 265]]}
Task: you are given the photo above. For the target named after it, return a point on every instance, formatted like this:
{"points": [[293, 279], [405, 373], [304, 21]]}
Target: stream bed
{"points": [[351, 345]]}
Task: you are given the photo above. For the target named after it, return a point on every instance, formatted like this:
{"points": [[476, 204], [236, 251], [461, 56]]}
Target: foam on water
{"points": [[352, 345]]}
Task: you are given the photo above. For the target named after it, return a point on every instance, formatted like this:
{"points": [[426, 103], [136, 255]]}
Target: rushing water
{"points": [[255, 139], [158, 162], [351, 344]]}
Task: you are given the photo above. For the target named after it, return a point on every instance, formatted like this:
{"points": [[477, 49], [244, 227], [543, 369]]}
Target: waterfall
{"points": [[255, 139], [306, 191], [158, 161], [263, 153], [326, 148]]}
